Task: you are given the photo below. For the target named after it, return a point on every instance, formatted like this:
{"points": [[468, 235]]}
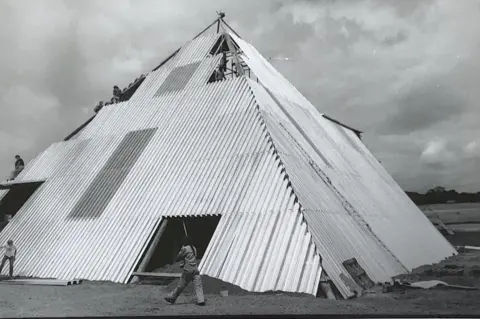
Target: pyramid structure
{"points": [[299, 194]]}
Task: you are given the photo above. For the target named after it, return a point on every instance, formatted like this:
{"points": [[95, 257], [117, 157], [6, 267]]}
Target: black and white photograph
{"points": [[239, 157]]}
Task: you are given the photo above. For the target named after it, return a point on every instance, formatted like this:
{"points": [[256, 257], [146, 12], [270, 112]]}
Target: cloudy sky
{"points": [[405, 72]]}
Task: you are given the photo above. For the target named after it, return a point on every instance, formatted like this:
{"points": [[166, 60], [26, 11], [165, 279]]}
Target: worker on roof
{"points": [[188, 257], [223, 62], [19, 166], [10, 255], [116, 94], [220, 75], [98, 107]]}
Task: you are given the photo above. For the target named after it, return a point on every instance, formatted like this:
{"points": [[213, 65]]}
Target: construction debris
{"points": [[430, 284], [460, 272], [396, 287], [464, 249], [441, 225], [157, 274]]}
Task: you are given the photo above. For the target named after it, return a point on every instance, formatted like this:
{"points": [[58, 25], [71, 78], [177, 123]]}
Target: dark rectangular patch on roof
{"points": [[107, 182], [178, 78]]}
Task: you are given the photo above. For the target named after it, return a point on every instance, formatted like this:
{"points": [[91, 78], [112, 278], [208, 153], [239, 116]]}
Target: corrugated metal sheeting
{"points": [[54, 160], [371, 201], [270, 77], [209, 156], [290, 185], [267, 251], [347, 192]]}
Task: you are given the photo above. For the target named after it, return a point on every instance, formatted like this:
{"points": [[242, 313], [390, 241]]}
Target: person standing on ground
{"points": [[10, 255], [188, 255]]}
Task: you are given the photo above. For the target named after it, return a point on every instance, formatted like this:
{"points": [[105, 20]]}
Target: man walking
{"points": [[10, 255], [188, 256]]}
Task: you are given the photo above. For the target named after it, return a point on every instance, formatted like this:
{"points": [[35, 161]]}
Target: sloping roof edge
{"points": [[81, 127], [358, 132], [176, 51]]}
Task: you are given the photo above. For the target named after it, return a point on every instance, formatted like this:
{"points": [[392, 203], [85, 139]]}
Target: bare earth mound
{"points": [[210, 285], [462, 269]]}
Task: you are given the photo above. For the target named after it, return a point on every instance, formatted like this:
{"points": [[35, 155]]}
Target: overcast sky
{"points": [[405, 72]]}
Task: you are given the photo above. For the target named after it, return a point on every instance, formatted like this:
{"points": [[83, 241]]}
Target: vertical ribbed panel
{"points": [[290, 186], [210, 155], [53, 160], [385, 205], [195, 50], [269, 76], [266, 246], [106, 183], [373, 238], [178, 78], [102, 117], [39, 227]]}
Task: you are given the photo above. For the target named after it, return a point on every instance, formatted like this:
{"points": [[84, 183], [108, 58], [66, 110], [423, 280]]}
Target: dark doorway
{"points": [[200, 229], [17, 196]]}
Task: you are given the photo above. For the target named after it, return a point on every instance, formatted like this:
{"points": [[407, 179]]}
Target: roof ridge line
{"points": [[229, 27], [277, 156], [176, 51]]}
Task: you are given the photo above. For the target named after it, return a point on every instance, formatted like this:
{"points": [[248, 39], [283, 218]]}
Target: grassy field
{"points": [[463, 219], [465, 213]]}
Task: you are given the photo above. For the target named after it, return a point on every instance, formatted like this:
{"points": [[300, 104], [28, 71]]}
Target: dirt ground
{"points": [[107, 299]]}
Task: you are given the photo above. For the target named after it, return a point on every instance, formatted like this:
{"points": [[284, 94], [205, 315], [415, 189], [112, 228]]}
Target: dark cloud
{"points": [[66, 78], [391, 40], [422, 107]]}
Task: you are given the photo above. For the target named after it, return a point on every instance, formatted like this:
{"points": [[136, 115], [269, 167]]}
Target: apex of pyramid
{"points": [[221, 14]]}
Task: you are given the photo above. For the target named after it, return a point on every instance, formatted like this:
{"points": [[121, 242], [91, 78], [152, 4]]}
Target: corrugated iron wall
{"points": [[232, 149], [53, 160], [377, 203], [399, 212], [106, 183], [177, 79], [269, 76], [209, 156], [267, 250]]}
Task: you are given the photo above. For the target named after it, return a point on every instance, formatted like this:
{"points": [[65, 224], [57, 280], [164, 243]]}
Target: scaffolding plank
{"points": [[157, 274], [41, 282]]}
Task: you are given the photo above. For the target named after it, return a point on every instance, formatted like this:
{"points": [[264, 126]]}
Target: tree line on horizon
{"points": [[440, 195]]}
